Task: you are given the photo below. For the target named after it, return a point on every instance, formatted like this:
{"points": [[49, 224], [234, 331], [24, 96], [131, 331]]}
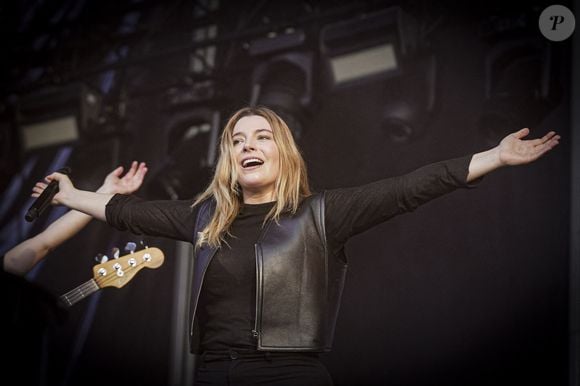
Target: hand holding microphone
{"points": [[44, 199]]}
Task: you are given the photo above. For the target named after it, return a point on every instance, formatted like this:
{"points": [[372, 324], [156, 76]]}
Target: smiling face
{"points": [[257, 159]]}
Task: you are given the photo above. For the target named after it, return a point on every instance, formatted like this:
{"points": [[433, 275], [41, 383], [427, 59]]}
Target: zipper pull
{"points": [[254, 333]]}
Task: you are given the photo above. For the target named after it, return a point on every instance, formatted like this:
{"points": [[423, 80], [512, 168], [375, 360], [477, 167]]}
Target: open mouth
{"points": [[251, 162]]}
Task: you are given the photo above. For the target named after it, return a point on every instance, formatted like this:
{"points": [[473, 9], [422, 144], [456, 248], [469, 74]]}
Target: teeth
{"points": [[250, 160]]}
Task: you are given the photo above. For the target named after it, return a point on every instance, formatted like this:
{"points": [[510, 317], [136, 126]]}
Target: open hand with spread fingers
{"points": [[515, 150]]}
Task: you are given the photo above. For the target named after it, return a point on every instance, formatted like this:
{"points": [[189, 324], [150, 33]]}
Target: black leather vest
{"points": [[299, 285]]}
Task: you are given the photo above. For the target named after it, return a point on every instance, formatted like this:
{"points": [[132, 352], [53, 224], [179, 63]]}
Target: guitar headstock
{"points": [[118, 272]]}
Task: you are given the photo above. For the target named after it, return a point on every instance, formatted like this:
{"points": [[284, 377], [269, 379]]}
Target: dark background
{"points": [[471, 289]]}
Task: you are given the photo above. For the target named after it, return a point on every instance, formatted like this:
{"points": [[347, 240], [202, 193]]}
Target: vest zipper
{"points": [[255, 331], [259, 271]]}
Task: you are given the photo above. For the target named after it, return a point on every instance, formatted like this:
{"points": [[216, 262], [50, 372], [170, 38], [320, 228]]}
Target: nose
{"points": [[249, 145]]}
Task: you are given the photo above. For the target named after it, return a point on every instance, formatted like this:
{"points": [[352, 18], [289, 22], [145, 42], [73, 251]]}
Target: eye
{"points": [[261, 137], [236, 141]]}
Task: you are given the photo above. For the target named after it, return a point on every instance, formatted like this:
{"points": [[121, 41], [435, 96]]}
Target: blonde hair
{"points": [[291, 184]]}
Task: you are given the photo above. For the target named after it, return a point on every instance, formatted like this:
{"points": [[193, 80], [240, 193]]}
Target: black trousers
{"points": [[274, 369]]}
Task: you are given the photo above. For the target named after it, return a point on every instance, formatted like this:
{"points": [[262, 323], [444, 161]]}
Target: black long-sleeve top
{"points": [[226, 308]]}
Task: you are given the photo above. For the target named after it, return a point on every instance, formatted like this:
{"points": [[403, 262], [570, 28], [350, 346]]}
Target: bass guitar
{"points": [[115, 273]]}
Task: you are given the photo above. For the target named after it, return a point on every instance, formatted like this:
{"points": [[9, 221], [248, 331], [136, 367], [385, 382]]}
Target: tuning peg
{"points": [[143, 244], [130, 247], [100, 258], [115, 252]]}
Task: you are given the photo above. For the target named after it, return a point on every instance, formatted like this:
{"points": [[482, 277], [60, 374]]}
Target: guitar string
{"points": [[80, 292], [89, 288]]}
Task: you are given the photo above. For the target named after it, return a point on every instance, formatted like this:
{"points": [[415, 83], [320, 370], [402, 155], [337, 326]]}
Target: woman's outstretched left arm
{"points": [[512, 150]]}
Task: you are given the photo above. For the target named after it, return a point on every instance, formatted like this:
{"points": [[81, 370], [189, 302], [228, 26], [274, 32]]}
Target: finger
{"points": [[522, 133], [543, 149], [118, 171], [554, 142], [141, 171], [546, 139], [55, 176], [543, 140], [134, 166], [132, 170], [41, 185], [548, 136], [551, 142]]}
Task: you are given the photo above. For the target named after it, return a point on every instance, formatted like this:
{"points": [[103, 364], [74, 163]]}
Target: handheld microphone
{"points": [[43, 201]]}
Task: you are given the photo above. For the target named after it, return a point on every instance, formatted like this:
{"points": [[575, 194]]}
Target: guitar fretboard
{"points": [[79, 293]]}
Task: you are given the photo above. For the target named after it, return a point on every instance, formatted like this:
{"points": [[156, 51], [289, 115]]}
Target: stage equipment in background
{"points": [[282, 78], [387, 48], [191, 138], [365, 48], [410, 100], [57, 115], [521, 86]]}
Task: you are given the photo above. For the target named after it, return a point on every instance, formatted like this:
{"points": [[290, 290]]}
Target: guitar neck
{"points": [[79, 293]]}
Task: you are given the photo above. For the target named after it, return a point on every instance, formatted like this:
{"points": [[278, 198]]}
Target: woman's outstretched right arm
{"points": [[174, 219], [87, 202]]}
